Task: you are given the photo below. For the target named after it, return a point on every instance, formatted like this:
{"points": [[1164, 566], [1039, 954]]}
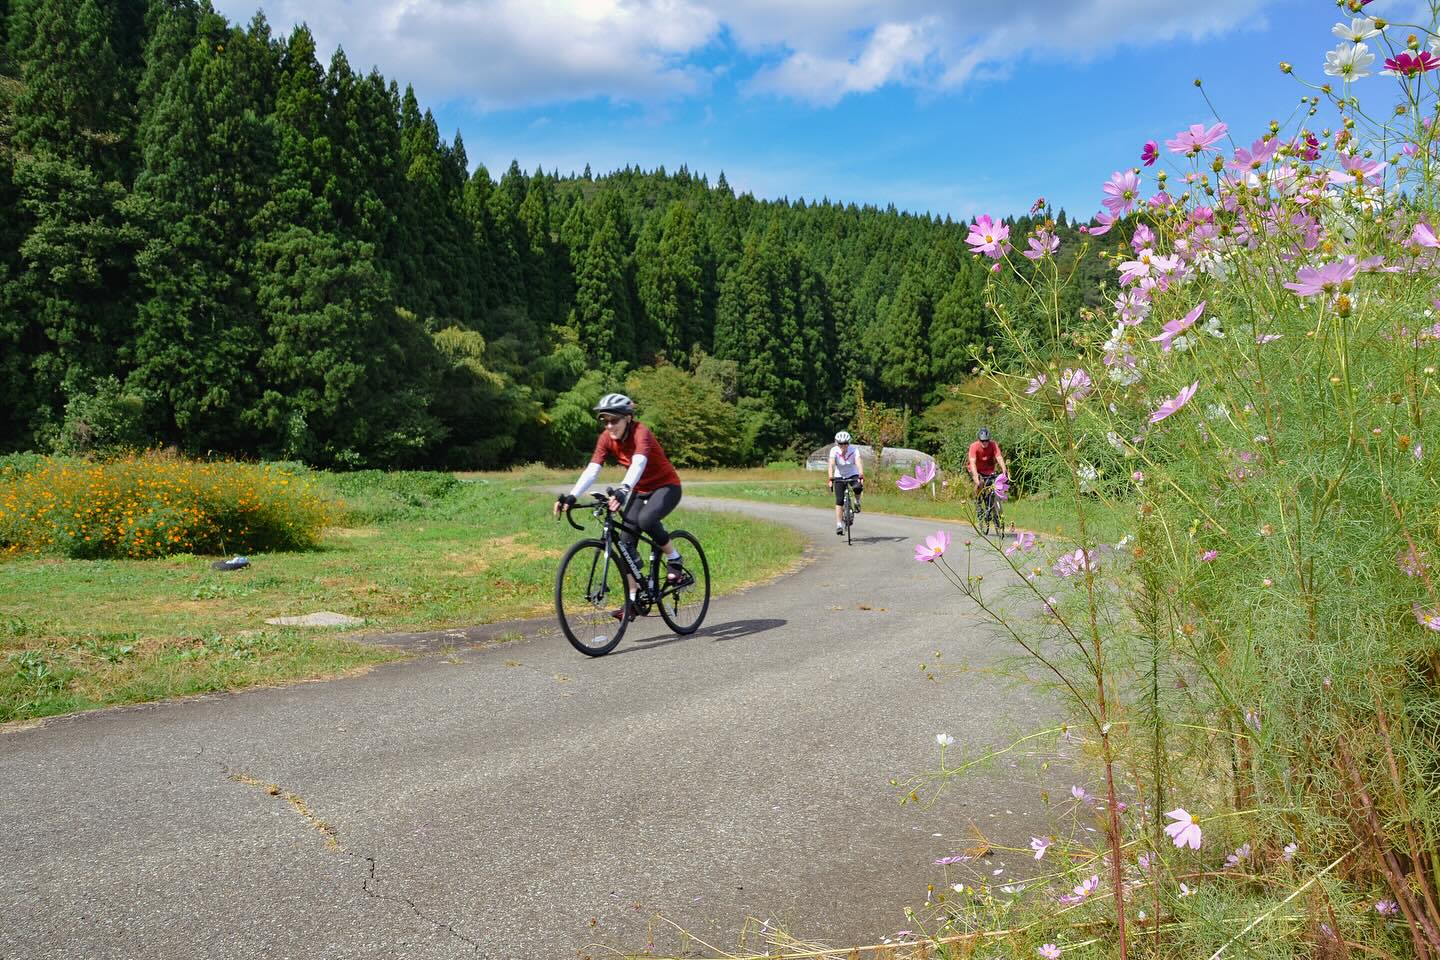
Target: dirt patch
{"points": [[500, 551], [350, 533]]}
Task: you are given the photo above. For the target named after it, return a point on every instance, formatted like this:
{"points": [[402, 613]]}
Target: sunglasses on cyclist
{"points": [[608, 419]]}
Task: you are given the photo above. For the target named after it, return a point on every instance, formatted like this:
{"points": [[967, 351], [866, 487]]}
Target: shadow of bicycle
{"points": [[736, 629], [881, 539]]}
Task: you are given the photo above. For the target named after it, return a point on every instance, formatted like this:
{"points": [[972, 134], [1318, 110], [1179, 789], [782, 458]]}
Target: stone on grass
{"points": [[321, 618]]}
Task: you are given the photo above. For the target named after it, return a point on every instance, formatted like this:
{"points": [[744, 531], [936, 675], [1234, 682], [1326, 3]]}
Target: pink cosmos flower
{"points": [[1149, 153], [1075, 383], [1042, 245], [989, 237], [1423, 236], [1196, 139], [1080, 794], [1072, 563], [1429, 619], [1161, 199], [1290, 850], [924, 473], [1410, 562], [1315, 280], [1138, 476], [1407, 64], [1260, 153], [1185, 831], [1040, 845], [1103, 223], [1387, 908], [1036, 383], [1049, 951], [933, 548], [1312, 148], [1209, 555], [1241, 854], [1002, 487], [1265, 338], [1142, 237], [1357, 169], [1174, 328], [1172, 404], [1121, 191], [1024, 542], [1418, 452]]}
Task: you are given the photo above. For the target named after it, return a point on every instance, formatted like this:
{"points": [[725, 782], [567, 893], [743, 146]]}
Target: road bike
{"points": [[989, 511], [591, 582], [848, 508]]}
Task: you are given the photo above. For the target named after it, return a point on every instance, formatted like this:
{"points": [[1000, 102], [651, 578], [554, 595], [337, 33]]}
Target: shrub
{"points": [[152, 506], [109, 419]]}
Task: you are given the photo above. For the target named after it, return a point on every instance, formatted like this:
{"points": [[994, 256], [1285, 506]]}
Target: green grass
{"points": [[420, 552]]}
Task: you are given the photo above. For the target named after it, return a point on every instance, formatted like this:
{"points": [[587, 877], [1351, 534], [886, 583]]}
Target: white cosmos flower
{"points": [[1361, 28], [944, 739], [1349, 61]]}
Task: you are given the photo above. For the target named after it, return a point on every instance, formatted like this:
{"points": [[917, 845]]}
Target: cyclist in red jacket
{"points": [[651, 488], [984, 456]]}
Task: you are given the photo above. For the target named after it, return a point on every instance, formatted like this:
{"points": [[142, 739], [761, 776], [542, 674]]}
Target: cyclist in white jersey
{"points": [[845, 466]]}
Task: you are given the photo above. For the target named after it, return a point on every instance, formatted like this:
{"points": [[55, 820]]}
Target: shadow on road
{"points": [[881, 539], [734, 630]]}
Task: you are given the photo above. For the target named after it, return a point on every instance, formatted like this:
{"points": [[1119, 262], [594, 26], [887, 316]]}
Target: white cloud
{"points": [[509, 53]]}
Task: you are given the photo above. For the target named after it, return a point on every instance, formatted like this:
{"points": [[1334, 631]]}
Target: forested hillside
{"points": [[210, 239]]}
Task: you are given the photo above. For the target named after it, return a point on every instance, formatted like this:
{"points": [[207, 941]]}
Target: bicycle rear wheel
{"points": [[588, 587], [683, 604]]}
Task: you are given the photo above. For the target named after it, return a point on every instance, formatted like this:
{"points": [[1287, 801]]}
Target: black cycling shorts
{"points": [[840, 488]]}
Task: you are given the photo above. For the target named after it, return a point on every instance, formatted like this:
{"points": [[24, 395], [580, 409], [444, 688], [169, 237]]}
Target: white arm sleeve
{"points": [[586, 478], [637, 467]]}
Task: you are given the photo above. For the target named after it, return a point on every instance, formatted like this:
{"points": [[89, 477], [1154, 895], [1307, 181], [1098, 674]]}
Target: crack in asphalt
{"points": [[332, 842]]}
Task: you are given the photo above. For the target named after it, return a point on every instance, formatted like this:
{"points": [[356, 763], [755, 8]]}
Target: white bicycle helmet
{"points": [[615, 403], [842, 437]]}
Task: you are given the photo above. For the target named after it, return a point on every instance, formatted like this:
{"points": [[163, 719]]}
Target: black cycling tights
{"points": [[647, 510]]}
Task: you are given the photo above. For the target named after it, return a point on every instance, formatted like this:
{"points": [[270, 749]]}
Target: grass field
{"points": [[416, 554]]}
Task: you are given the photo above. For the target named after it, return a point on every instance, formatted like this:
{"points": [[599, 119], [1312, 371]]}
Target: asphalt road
{"points": [[518, 800]]}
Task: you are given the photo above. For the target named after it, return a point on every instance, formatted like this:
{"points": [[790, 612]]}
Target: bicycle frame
{"points": [[646, 588]]}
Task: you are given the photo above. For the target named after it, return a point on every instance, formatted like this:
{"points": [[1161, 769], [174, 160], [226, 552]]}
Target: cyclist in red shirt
{"points": [[984, 456], [651, 488]]}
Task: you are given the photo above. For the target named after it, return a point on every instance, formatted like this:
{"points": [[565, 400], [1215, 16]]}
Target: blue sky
{"points": [[913, 102]]}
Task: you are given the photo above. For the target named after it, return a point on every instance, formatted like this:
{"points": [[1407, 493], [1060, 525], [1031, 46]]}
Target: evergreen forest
{"points": [[216, 237]]}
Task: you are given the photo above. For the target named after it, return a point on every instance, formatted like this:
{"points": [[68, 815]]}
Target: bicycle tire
{"points": [[584, 606], [679, 604], [847, 513]]}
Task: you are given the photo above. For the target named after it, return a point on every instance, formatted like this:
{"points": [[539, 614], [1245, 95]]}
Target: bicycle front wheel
{"points": [[588, 588], [683, 604]]}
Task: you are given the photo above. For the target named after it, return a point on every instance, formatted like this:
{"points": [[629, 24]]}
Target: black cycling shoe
{"points": [[839, 531], [674, 569]]}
